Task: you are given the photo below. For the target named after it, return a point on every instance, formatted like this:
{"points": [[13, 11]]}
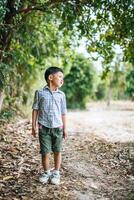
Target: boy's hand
{"points": [[34, 132], [65, 134]]}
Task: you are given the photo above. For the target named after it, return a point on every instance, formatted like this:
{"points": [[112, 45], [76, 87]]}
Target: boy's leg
{"points": [[45, 161], [45, 146], [57, 160], [44, 178], [45, 149], [57, 148], [55, 178]]}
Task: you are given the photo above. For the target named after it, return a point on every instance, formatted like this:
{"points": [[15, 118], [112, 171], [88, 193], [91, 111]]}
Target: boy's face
{"points": [[57, 79]]}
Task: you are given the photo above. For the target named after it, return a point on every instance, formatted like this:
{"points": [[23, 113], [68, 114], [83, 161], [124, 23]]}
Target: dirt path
{"points": [[96, 166], [114, 124]]}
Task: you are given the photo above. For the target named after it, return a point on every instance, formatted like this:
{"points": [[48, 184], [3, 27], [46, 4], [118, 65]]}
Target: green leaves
{"points": [[130, 83], [79, 83], [35, 34]]}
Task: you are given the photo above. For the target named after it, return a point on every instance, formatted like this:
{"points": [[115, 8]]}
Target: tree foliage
{"points": [[101, 90], [103, 22], [36, 41], [113, 85], [130, 83], [33, 32], [79, 83]]}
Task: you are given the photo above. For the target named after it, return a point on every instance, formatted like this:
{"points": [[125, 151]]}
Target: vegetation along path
{"points": [[97, 159]]}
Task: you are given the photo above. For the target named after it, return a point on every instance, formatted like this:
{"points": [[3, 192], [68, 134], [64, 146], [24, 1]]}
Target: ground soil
{"points": [[98, 157]]}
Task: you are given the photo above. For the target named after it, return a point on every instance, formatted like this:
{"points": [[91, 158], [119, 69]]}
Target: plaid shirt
{"points": [[51, 106]]}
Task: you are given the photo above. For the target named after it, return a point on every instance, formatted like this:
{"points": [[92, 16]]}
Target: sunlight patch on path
{"points": [[111, 125]]}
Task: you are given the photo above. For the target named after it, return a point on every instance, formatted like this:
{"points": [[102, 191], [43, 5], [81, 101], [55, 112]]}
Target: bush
{"points": [[6, 114], [130, 84], [101, 91], [79, 83]]}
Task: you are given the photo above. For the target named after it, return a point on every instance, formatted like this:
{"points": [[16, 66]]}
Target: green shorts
{"points": [[50, 139]]}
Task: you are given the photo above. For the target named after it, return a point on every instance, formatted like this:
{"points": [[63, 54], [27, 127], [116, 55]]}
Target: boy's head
{"points": [[54, 75]]}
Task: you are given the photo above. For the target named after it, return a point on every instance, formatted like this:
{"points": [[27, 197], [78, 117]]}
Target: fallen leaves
{"points": [[7, 178], [91, 168]]}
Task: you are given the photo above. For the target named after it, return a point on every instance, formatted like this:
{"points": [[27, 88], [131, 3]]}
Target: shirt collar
{"points": [[47, 87]]}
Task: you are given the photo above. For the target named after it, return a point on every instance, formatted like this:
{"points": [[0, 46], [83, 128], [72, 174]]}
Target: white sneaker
{"points": [[45, 177], [55, 178]]}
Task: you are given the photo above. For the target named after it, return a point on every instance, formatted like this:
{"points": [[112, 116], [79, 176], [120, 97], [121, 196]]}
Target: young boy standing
{"points": [[49, 110]]}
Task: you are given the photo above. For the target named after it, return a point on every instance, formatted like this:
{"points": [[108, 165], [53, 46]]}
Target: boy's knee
{"points": [[45, 155]]}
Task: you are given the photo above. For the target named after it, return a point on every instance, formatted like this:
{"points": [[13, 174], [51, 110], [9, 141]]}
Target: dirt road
{"points": [[98, 157], [114, 124]]}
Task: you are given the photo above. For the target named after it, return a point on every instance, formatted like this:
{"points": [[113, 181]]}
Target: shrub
{"points": [[79, 83]]}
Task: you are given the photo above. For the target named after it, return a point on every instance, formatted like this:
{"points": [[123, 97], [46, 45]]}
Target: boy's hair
{"points": [[51, 70]]}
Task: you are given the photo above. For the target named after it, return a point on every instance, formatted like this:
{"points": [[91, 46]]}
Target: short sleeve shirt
{"points": [[51, 106]]}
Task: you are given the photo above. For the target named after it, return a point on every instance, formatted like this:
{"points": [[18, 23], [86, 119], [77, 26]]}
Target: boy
{"points": [[49, 108]]}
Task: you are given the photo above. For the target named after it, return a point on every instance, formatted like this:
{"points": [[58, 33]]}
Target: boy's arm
{"points": [[34, 122], [64, 120]]}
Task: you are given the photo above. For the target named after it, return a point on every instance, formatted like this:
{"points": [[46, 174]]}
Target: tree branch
{"points": [[41, 7]]}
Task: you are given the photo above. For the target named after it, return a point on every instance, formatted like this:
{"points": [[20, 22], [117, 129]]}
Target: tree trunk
{"points": [[109, 97], [1, 99]]}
